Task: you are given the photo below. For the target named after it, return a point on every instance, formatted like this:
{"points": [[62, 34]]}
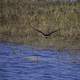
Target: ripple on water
{"points": [[30, 64]]}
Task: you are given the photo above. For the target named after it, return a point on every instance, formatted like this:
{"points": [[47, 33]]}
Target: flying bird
{"points": [[46, 35]]}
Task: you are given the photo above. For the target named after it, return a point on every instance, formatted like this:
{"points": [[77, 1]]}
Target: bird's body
{"points": [[46, 35]]}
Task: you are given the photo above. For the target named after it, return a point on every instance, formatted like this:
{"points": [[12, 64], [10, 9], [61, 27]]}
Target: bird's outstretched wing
{"points": [[39, 31], [53, 32], [45, 34]]}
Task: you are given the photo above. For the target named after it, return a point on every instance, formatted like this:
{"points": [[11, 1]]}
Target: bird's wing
{"points": [[38, 30], [53, 32]]}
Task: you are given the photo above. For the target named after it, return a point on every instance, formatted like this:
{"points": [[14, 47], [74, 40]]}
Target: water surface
{"points": [[18, 62]]}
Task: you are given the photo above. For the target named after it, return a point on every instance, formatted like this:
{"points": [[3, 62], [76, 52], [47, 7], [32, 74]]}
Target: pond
{"points": [[20, 62]]}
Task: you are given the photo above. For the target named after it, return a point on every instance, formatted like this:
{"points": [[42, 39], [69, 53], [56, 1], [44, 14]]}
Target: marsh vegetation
{"points": [[17, 17]]}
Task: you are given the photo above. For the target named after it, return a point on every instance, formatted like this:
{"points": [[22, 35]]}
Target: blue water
{"points": [[20, 62]]}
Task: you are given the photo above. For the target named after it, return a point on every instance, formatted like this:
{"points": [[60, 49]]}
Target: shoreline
{"points": [[41, 48]]}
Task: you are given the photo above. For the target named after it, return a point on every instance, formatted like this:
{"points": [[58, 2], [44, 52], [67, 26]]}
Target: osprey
{"points": [[46, 35]]}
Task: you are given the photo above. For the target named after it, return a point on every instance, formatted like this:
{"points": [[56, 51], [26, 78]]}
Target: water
{"points": [[19, 62]]}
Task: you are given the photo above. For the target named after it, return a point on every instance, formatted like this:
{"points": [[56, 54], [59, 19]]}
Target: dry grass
{"points": [[18, 18]]}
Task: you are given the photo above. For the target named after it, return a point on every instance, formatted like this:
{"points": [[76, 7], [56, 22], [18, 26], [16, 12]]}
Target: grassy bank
{"points": [[18, 18]]}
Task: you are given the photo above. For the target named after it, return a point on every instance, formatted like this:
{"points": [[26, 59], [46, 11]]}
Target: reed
{"points": [[18, 18]]}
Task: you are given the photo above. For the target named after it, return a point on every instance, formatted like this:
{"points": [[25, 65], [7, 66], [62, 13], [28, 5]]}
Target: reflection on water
{"points": [[19, 62]]}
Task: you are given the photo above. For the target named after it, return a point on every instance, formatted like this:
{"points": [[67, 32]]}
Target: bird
{"points": [[46, 35]]}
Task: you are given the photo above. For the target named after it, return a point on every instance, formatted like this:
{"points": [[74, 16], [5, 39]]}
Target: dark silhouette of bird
{"points": [[46, 35]]}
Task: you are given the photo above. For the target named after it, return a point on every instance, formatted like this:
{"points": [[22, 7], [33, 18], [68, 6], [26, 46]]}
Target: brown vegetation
{"points": [[17, 17]]}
